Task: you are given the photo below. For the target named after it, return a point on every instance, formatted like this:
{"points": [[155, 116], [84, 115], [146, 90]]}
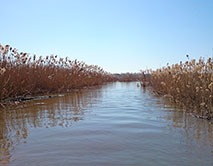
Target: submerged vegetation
{"points": [[22, 74], [189, 85]]}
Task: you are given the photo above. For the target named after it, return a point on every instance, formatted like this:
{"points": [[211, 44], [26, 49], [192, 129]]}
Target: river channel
{"points": [[118, 124]]}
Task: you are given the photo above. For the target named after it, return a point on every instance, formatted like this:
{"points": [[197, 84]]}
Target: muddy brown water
{"points": [[118, 124]]}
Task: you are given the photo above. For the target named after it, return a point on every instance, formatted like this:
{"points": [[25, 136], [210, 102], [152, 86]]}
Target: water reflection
{"points": [[193, 130], [116, 124], [59, 111]]}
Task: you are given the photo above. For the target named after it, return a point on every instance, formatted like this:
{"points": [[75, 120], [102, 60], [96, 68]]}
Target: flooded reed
{"points": [[189, 85], [22, 74]]}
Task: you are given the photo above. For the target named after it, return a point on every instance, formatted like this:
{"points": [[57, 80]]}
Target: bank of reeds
{"points": [[127, 77], [22, 74], [189, 85]]}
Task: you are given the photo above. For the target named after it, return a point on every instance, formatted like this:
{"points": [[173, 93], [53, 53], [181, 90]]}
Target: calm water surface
{"points": [[117, 124]]}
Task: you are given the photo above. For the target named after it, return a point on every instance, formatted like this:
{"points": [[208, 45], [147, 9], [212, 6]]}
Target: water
{"points": [[118, 124]]}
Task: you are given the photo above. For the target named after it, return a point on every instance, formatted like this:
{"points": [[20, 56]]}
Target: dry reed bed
{"points": [[22, 74], [127, 77], [189, 85]]}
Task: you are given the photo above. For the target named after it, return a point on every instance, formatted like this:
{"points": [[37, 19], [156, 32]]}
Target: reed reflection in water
{"points": [[60, 111], [191, 128], [116, 124]]}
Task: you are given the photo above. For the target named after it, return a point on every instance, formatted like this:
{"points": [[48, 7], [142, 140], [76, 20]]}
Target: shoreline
{"points": [[10, 102], [182, 107], [22, 100]]}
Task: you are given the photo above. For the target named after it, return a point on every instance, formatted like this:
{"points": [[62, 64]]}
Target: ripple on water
{"points": [[116, 124]]}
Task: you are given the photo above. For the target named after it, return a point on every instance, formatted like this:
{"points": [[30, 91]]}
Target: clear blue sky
{"points": [[118, 35]]}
